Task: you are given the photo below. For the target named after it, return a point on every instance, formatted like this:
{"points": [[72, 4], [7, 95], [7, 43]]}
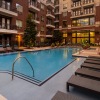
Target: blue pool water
{"points": [[45, 63]]}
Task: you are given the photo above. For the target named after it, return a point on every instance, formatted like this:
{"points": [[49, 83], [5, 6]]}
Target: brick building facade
{"points": [[13, 15], [79, 20]]}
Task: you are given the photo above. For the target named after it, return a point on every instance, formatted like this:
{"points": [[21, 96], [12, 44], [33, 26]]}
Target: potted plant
{"points": [[85, 44]]}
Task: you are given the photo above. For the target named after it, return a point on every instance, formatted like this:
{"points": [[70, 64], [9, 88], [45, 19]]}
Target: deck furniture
{"points": [[2, 49], [9, 49], [16, 48], [63, 96], [92, 62], [91, 66], [95, 59], [88, 73], [84, 83]]}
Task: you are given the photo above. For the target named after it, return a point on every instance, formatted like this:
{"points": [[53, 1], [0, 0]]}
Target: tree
{"points": [[30, 32], [57, 36]]}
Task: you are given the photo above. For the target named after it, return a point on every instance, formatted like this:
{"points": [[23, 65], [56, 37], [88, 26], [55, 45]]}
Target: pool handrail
{"points": [[15, 62]]}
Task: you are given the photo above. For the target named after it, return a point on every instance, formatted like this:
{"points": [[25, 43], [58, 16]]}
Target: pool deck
{"points": [[19, 89], [95, 51]]}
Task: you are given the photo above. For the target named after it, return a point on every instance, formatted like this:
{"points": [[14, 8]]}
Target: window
{"points": [[92, 21], [19, 23], [42, 6], [83, 22], [92, 34], [19, 8], [42, 18], [64, 14], [74, 23], [65, 6], [42, 28], [8, 23], [3, 22], [64, 24], [73, 34], [3, 4]]}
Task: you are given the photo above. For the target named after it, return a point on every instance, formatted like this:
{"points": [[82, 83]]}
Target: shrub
{"points": [[52, 45]]}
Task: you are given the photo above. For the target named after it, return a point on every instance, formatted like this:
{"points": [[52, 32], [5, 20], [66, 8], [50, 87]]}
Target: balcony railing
{"points": [[88, 1], [50, 14], [34, 5], [8, 7], [50, 24], [36, 20], [49, 3], [8, 26]]}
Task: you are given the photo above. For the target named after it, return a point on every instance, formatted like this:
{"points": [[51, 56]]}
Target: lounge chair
{"points": [[94, 57], [91, 66], [88, 73], [9, 49], [63, 96], [17, 49], [84, 83], [92, 62], [2, 49]]}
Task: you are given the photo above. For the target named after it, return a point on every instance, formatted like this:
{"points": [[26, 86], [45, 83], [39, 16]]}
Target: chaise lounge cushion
{"points": [[63, 96]]}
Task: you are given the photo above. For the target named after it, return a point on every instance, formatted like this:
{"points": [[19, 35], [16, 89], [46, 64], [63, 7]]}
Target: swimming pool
{"points": [[45, 62]]}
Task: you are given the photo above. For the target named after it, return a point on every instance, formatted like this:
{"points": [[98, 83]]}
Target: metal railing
{"points": [[15, 62]]}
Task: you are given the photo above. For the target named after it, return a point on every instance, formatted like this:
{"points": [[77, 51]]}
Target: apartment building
{"points": [[79, 20], [13, 15]]}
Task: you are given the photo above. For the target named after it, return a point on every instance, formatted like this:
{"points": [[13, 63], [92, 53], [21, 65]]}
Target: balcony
{"points": [[8, 29], [84, 14], [49, 34], [33, 6], [50, 25], [56, 20], [88, 3], [58, 27], [36, 20], [57, 12], [7, 11], [56, 4], [50, 4], [50, 14], [75, 7]]}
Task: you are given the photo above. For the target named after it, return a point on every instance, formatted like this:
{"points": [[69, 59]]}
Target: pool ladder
{"points": [[15, 62]]}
